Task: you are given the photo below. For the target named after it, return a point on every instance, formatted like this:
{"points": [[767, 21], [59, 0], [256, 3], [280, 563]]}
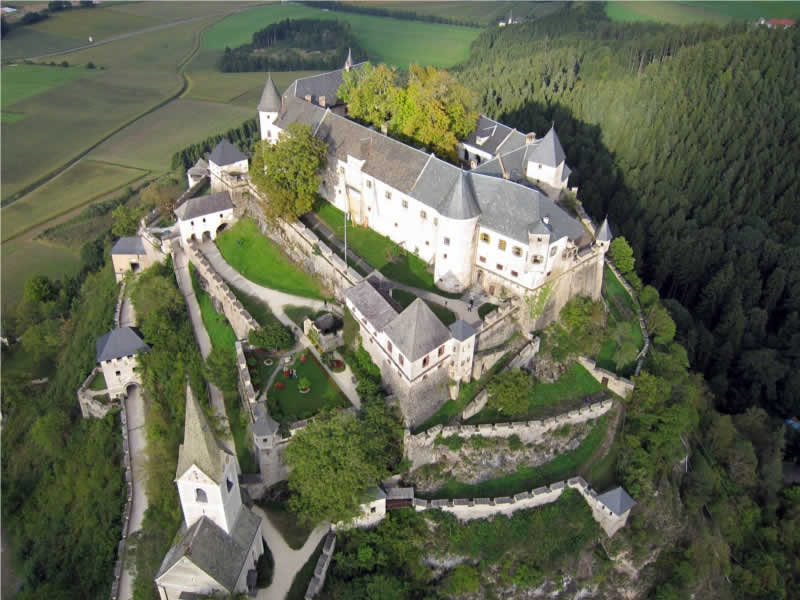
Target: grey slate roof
{"points": [[494, 132], [460, 202], [461, 330], [123, 341], [128, 245], [204, 205], [617, 500], [295, 110], [270, 97], [199, 168], [547, 150], [225, 153], [371, 304], [213, 551], [417, 331], [324, 84], [604, 233], [539, 228], [200, 446], [264, 424]]}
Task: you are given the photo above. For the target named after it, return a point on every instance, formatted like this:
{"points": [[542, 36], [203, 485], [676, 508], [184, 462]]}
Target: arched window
{"points": [[200, 495]]}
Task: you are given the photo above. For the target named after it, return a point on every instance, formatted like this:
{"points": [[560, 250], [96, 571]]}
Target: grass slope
{"points": [[387, 40], [219, 330], [484, 13], [621, 310], [22, 258], [260, 260], [24, 81], [683, 13], [77, 185]]}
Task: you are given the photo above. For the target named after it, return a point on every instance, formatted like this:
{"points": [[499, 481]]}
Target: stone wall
{"points": [[87, 400], [241, 321], [498, 325], [321, 569], [619, 385], [420, 448], [476, 405], [126, 513]]}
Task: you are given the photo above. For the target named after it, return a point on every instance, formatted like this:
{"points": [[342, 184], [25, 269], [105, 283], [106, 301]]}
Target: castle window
{"points": [[405, 203], [444, 255], [482, 259], [499, 267], [400, 359], [516, 251], [441, 351], [341, 170], [435, 221], [229, 484], [446, 241], [536, 259], [220, 215], [425, 361], [369, 184], [388, 194], [538, 239], [485, 238], [501, 245], [118, 373], [372, 510], [389, 347], [514, 274], [395, 224], [200, 496], [553, 251], [427, 243], [423, 214], [204, 219]]}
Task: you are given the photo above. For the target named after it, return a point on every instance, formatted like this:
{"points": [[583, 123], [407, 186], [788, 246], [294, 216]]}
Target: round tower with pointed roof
{"points": [[456, 236], [268, 108]]}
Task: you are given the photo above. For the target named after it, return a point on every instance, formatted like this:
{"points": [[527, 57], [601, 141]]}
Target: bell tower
{"points": [[268, 108]]}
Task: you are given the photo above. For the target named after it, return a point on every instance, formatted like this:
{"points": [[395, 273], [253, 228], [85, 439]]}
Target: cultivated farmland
{"points": [[23, 258], [682, 13], [25, 81], [393, 41], [472, 12]]}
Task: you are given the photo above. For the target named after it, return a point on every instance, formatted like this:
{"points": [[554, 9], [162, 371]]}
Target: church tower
{"points": [[268, 109], [207, 475]]}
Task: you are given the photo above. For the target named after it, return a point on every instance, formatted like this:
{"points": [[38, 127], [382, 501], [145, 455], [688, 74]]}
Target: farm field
{"points": [[20, 82], [77, 185], [682, 13], [22, 258], [149, 142], [478, 12], [393, 41]]}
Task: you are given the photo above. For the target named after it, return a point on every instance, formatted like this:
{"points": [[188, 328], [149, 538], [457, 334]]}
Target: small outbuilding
{"points": [[203, 217], [132, 254], [116, 354]]}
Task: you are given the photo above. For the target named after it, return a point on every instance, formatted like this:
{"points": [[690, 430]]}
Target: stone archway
{"points": [[222, 227], [206, 236]]}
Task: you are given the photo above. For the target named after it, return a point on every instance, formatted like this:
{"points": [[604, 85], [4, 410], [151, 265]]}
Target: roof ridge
{"points": [[373, 132], [419, 175], [329, 72]]}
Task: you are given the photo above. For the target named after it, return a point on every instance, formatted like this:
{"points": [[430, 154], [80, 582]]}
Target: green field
{"points": [[260, 260], [77, 185], [20, 82], [683, 13], [477, 12], [217, 326], [392, 41], [150, 142], [22, 258]]}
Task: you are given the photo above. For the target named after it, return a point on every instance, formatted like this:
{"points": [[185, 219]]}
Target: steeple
{"points": [[270, 97], [200, 447], [604, 233], [349, 61]]}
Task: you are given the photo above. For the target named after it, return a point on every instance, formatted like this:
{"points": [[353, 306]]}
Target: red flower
{"points": [[286, 373]]}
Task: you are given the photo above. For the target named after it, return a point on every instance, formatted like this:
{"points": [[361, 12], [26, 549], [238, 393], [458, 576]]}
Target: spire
{"points": [[270, 97], [604, 233], [349, 61], [460, 202], [200, 447]]}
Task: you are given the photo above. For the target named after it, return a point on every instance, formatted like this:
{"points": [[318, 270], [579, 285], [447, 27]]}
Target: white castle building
{"points": [[117, 356], [220, 540], [496, 225]]}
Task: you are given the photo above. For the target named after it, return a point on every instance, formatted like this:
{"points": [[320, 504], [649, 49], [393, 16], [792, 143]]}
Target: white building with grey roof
{"points": [[496, 225], [227, 166], [133, 254], [117, 353], [220, 540], [202, 218]]}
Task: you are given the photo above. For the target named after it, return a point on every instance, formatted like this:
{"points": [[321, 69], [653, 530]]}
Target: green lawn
{"points": [[621, 310], [78, 185], [257, 309], [682, 13], [372, 247], [525, 479], [24, 81], [485, 308], [22, 258], [304, 575], [549, 399], [261, 260], [294, 533], [288, 404], [405, 298], [298, 314], [98, 383], [217, 326], [393, 41], [478, 12]]}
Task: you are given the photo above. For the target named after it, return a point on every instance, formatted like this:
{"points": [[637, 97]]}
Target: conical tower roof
{"points": [[270, 98], [548, 150], [604, 233], [349, 60], [200, 446], [460, 202]]}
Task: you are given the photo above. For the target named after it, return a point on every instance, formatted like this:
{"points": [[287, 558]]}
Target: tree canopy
{"points": [[287, 173]]}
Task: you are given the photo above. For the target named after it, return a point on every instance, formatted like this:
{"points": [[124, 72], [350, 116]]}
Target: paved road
{"points": [[287, 561], [181, 264], [277, 301]]}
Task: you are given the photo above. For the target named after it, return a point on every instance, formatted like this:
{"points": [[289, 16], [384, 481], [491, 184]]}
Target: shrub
{"points": [[304, 383], [64, 63], [454, 442], [478, 442], [90, 65], [464, 579], [514, 443], [273, 335]]}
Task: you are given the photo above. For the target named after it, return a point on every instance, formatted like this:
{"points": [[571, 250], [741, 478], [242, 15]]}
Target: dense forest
{"points": [[294, 44], [687, 137]]}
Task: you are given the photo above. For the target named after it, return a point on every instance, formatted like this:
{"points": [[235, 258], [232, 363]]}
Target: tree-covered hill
{"points": [[687, 137]]}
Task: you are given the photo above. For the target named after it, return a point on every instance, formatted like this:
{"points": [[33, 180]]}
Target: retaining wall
{"points": [[619, 385], [321, 569], [90, 406], [241, 320], [419, 449]]}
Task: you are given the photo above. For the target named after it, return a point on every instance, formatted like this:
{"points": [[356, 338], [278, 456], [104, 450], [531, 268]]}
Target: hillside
{"points": [[687, 138]]}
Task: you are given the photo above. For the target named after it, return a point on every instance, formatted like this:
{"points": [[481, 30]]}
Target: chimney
{"points": [[530, 138], [546, 219], [506, 174], [308, 97], [322, 101]]}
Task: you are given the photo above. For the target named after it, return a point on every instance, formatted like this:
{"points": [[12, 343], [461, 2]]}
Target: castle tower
{"points": [[268, 109], [603, 236], [349, 61], [545, 160], [538, 245], [207, 475], [456, 236]]}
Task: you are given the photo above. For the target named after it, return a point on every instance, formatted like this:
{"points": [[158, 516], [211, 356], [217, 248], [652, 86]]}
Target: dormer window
{"points": [[423, 215], [481, 140], [369, 184], [536, 259], [200, 496], [426, 361]]}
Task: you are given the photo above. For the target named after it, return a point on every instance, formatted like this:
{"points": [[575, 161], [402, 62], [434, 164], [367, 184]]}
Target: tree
{"points": [[221, 368], [330, 469], [161, 195], [621, 254], [43, 340], [126, 221], [464, 579], [370, 93], [272, 335], [287, 173], [508, 393]]}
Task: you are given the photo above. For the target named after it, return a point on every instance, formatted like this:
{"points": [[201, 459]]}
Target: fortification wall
{"points": [[619, 385], [303, 246], [321, 568], [476, 405], [498, 325], [246, 391], [241, 320], [420, 448], [91, 407]]}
